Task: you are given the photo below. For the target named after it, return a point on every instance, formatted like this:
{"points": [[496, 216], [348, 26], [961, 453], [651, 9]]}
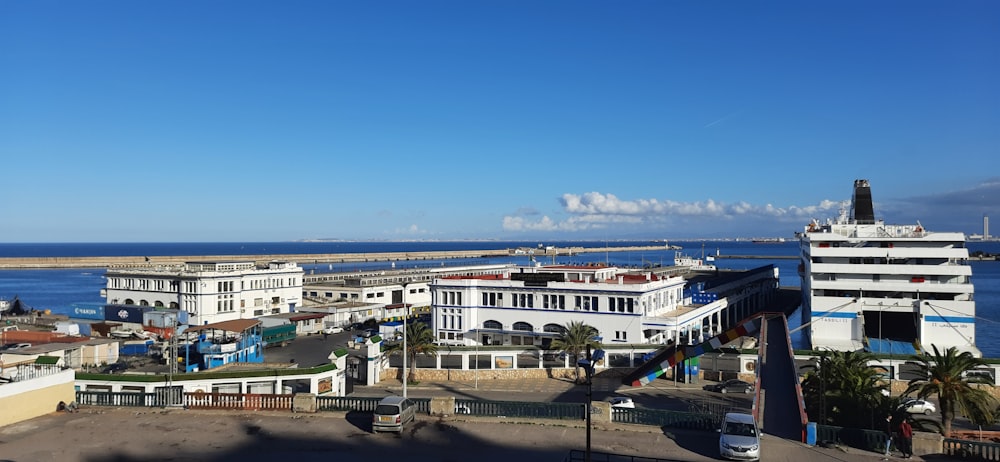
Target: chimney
{"points": [[862, 211]]}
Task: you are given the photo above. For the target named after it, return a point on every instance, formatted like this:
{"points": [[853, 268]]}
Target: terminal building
{"points": [[531, 305], [209, 292]]}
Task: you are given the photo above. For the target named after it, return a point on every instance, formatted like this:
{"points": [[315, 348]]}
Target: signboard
{"points": [[537, 279], [124, 313], [325, 385]]}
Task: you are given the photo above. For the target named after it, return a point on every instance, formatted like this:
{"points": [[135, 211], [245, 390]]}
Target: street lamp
{"points": [[477, 358], [404, 339], [588, 366]]}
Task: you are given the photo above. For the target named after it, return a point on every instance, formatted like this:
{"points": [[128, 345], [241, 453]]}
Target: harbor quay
{"points": [[154, 260]]}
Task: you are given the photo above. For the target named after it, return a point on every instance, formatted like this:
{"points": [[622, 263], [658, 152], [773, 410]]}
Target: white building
{"points": [[210, 292], [387, 291], [866, 283], [530, 305]]}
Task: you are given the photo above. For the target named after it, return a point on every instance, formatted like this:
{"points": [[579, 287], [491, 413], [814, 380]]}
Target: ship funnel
{"points": [[862, 211]]}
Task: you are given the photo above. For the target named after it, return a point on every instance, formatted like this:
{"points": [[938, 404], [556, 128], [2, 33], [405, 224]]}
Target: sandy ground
{"points": [[104, 434]]}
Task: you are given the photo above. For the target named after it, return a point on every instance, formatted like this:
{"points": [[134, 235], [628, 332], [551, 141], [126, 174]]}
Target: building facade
{"points": [[209, 291], [530, 305]]}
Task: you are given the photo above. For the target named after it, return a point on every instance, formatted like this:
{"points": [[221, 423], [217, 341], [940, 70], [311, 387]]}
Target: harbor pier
{"points": [[160, 260]]}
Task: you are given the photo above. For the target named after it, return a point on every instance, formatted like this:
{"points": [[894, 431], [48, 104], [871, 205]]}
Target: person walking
{"points": [[906, 438], [888, 433]]}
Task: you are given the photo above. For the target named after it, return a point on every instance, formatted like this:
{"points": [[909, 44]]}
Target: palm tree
{"points": [[419, 340], [842, 389], [573, 339], [946, 378]]}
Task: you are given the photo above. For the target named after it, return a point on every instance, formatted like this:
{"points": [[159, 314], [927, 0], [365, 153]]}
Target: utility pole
{"points": [[588, 366]]}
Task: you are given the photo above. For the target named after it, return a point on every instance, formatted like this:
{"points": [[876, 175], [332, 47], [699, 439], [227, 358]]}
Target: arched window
{"points": [[492, 325], [128, 301], [523, 326], [553, 328], [143, 303], [158, 304], [174, 305]]}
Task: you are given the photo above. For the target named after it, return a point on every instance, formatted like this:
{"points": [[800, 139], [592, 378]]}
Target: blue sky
{"points": [[271, 121]]}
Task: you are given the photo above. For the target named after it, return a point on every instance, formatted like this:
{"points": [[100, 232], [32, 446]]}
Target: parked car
{"points": [[392, 413], [333, 330], [622, 401], [918, 406], [15, 346], [739, 437], [730, 386]]}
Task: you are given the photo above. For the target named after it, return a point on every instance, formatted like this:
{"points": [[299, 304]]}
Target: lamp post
{"points": [[588, 366], [477, 358], [404, 339]]}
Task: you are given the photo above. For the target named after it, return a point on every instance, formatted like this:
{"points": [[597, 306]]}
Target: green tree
{"points": [[573, 339], [944, 376], [843, 389], [419, 341]]}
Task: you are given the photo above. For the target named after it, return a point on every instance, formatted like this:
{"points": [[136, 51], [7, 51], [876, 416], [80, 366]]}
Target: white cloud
{"points": [[595, 210]]}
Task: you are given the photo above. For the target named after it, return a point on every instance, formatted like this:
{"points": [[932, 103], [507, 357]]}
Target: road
{"points": [[135, 435]]}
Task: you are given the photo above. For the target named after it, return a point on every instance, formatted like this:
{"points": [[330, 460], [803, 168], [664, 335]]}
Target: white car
{"points": [[621, 401], [333, 330], [739, 437], [918, 406]]}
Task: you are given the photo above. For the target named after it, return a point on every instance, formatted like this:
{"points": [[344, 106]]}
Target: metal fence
{"points": [[664, 418], [347, 403], [521, 409], [871, 440], [972, 450]]}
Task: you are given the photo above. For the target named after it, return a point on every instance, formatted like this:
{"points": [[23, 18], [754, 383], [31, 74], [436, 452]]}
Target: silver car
{"points": [[739, 438], [392, 413]]}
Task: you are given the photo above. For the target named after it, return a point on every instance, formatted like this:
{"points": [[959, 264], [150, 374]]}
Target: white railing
{"points": [[25, 372]]}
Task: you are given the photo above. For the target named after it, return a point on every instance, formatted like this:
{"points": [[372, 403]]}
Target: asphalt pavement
{"points": [[98, 434]]}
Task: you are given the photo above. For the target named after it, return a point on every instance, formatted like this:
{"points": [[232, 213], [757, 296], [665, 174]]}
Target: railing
{"points": [[246, 401], [347, 403], [664, 418], [522, 409], [971, 450], [870, 440], [117, 399], [33, 371], [576, 455], [196, 400]]}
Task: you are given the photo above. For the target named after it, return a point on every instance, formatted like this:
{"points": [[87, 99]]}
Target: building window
{"points": [[523, 326], [492, 325]]}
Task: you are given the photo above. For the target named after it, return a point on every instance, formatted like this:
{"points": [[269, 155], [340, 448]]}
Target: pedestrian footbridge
{"points": [[778, 405]]}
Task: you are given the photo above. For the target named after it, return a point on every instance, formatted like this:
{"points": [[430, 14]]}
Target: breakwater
{"points": [[153, 260]]}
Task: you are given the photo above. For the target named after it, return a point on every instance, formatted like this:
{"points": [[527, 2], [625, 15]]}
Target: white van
{"points": [[739, 437], [392, 413]]}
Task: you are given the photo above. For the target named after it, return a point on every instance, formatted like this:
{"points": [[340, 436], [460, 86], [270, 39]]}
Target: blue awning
{"points": [[896, 347]]}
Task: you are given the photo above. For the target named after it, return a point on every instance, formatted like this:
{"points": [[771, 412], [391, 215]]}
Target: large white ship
{"points": [[887, 288]]}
